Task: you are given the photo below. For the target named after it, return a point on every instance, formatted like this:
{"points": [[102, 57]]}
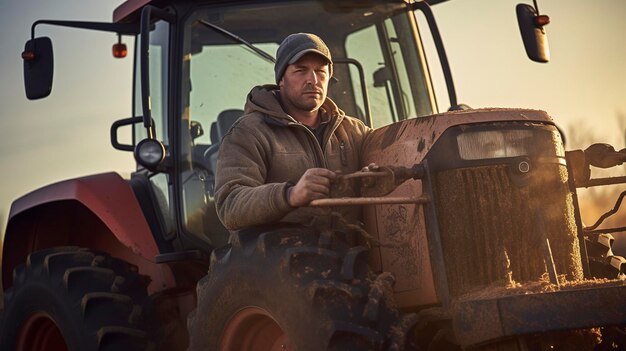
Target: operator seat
{"points": [[219, 128], [225, 120]]}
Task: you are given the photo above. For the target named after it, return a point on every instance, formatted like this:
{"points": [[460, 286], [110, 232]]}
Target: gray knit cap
{"points": [[297, 45]]}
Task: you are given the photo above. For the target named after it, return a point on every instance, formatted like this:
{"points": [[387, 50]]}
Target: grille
{"points": [[486, 225]]}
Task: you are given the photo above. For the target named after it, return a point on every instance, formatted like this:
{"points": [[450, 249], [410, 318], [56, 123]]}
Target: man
{"points": [[285, 150]]}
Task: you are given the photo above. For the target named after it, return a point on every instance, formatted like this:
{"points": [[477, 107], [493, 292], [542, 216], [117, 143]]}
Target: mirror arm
{"points": [[146, 18], [119, 28], [145, 71], [536, 7], [120, 123], [441, 51]]}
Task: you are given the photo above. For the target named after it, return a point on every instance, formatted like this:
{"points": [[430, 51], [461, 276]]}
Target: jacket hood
{"points": [[264, 99]]}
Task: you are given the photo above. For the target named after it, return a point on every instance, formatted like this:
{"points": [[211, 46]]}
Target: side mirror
{"points": [[382, 76], [38, 67], [533, 34], [195, 130]]}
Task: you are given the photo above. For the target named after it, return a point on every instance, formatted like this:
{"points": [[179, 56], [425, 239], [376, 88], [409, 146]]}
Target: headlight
{"points": [[149, 153], [488, 144]]}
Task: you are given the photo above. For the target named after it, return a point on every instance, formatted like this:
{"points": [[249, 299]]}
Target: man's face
{"points": [[305, 83]]}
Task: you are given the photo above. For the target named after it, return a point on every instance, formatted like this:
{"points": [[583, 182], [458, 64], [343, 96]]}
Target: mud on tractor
{"points": [[471, 235]]}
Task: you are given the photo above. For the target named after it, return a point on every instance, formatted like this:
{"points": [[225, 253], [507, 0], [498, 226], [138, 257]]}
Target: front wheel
{"points": [[68, 298], [282, 290]]}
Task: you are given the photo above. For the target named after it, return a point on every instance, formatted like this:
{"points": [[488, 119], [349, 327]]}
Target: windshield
{"points": [[379, 75], [378, 38]]}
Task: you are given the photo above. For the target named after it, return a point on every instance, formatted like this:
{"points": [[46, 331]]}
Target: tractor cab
{"points": [[380, 76]]}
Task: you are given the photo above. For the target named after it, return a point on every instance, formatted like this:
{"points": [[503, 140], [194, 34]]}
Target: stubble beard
{"points": [[307, 103]]}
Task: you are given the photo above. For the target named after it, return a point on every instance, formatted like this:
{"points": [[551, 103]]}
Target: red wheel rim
{"points": [[254, 329], [40, 333]]}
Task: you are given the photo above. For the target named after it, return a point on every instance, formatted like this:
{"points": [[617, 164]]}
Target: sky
{"points": [[67, 134]]}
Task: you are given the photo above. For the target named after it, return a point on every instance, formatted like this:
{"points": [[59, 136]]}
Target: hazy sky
{"points": [[67, 134]]}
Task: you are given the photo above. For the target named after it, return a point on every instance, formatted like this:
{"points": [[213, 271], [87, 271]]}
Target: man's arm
{"points": [[242, 197]]}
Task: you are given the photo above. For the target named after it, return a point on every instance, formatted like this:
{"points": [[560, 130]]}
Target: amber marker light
{"points": [[28, 55], [119, 49], [542, 20]]}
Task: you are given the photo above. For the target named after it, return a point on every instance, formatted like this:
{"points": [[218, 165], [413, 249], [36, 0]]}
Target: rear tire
{"points": [[68, 298], [283, 290]]}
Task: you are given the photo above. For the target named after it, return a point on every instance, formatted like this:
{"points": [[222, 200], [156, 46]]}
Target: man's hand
{"points": [[314, 184]]}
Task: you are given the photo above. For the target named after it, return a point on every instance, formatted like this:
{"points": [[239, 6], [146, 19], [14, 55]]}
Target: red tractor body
{"points": [[471, 233]]}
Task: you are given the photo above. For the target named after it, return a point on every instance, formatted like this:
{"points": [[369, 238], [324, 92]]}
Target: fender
{"points": [[109, 197], [99, 211]]}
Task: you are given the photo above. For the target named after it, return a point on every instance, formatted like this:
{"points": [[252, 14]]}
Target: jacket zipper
{"points": [[320, 153]]}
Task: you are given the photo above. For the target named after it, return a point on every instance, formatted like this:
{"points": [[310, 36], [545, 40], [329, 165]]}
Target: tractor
{"points": [[471, 235]]}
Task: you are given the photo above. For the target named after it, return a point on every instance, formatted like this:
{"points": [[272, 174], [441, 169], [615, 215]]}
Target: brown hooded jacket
{"points": [[266, 151]]}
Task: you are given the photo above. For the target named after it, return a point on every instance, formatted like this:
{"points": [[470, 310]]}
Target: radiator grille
{"points": [[486, 223]]}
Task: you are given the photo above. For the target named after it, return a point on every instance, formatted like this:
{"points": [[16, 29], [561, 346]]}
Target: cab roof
{"points": [[129, 10]]}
